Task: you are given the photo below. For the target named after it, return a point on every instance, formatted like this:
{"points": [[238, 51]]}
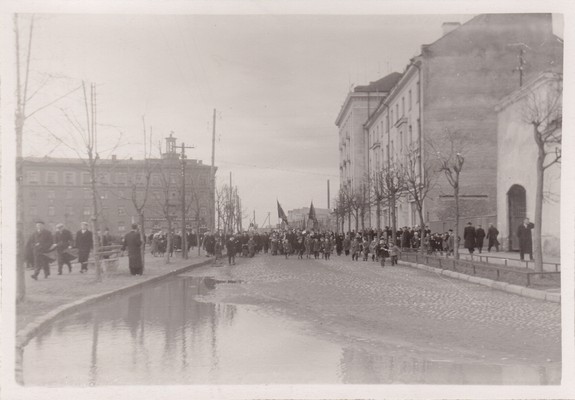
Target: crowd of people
{"points": [[374, 245]]}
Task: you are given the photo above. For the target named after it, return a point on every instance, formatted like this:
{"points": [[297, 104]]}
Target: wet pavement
{"points": [[274, 321]]}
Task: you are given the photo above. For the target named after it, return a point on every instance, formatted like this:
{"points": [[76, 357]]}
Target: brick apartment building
{"points": [[455, 84], [58, 190]]}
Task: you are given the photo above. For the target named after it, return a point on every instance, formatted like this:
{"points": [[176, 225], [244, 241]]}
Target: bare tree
{"points": [[419, 180], [23, 98], [389, 187], [167, 201], [450, 154], [543, 111]]}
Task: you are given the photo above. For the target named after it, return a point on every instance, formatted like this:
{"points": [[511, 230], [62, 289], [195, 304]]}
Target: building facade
{"points": [[453, 86], [517, 172], [59, 190]]}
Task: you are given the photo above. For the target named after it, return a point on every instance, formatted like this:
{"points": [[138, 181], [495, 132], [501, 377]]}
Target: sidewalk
{"points": [[46, 295], [511, 259]]}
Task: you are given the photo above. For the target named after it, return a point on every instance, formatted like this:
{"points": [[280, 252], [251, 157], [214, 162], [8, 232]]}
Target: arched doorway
{"points": [[517, 211]]}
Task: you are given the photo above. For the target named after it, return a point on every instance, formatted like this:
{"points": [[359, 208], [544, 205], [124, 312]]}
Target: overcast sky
{"points": [[277, 82]]}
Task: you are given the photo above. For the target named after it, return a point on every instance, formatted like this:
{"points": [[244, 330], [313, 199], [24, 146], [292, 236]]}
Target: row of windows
{"points": [[87, 211], [120, 194], [119, 178]]}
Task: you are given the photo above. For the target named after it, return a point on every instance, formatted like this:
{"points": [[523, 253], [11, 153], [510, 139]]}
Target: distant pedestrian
{"points": [[394, 252], [469, 236], [84, 244], [231, 249], [64, 241], [492, 241], [346, 244], [525, 240], [479, 236], [41, 243], [133, 243]]}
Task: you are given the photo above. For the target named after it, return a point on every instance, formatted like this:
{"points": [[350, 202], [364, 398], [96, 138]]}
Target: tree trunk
{"points": [[169, 241], [142, 237], [537, 248], [421, 229], [456, 229], [378, 223], [94, 218], [349, 221], [393, 220]]}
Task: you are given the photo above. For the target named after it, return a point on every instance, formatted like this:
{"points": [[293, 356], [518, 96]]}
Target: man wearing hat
{"points": [[133, 243], [63, 240], [41, 243], [84, 243]]}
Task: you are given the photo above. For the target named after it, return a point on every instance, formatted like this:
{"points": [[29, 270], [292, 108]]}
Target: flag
{"points": [[282, 214], [312, 213]]}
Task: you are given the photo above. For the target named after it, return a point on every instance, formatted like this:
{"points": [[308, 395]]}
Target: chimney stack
{"points": [[449, 26]]}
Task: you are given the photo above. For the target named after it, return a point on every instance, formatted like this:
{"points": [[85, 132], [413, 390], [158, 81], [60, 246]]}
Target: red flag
{"points": [[312, 213]]}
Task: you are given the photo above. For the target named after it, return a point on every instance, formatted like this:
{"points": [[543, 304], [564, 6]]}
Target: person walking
{"points": [[347, 244], [41, 243], [64, 241], [133, 243], [469, 236], [479, 236], [492, 234], [231, 249], [525, 240], [84, 244]]}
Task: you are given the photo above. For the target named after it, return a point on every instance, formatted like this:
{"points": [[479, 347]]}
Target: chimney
{"points": [[449, 26], [114, 157]]}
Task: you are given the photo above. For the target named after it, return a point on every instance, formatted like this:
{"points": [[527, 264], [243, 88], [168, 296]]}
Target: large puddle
{"points": [[162, 335]]}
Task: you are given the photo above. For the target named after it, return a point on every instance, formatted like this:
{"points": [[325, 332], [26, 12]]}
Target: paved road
{"points": [[397, 309]]}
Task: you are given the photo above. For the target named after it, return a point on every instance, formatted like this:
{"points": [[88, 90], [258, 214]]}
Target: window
{"points": [[33, 211], [402, 106], [397, 111], [51, 194], [51, 178], [121, 211], [33, 177], [121, 178], [203, 212], [87, 194], [103, 178], [121, 226], [68, 194], [85, 178], [387, 123], [33, 194], [69, 178], [69, 210], [86, 210], [155, 180], [409, 100], [173, 178], [391, 119], [418, 92], [51, 211]]}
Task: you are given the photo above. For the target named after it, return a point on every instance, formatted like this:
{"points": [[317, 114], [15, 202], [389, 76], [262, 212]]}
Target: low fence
{"points": [[505, 273]]}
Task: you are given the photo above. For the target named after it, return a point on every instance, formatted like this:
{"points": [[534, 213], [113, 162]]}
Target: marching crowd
{"points": [[44, 247]]}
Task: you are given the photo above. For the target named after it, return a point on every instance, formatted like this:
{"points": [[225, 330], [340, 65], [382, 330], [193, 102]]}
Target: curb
{"points": [[26, 334], [497, 285]]}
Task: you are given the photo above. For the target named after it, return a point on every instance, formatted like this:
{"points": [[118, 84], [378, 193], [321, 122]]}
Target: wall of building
{"points": [[516, 155], [465, 74]]}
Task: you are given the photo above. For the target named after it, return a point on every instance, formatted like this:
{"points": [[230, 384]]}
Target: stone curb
{"points": [[29, 331], [497, 285]]}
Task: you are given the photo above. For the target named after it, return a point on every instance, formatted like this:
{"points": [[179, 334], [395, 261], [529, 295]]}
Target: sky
{"points": [[276, 81]]}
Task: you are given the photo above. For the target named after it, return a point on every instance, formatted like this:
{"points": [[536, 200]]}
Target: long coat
{"points": [[469, 236], [479, 236], [524, 236], [133, 243], [492, 233], [41, 243], [84, 244]]}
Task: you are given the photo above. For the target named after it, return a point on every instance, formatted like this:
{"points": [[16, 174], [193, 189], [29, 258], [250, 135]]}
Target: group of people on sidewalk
{"points": [[44, 247]]}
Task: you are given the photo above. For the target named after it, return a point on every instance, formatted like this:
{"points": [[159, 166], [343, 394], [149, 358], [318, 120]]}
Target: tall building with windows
{"points": [[454, 85], [59, 190]]}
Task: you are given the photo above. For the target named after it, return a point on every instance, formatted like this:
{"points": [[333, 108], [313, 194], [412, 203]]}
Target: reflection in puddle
{"points": [[161, 335]]}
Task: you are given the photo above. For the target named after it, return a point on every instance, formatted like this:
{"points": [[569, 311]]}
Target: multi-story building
{"points": [[59, 190], [454, 85], [356, 109]]}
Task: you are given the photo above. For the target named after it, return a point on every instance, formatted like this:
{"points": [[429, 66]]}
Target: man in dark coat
{"points": [[469, 236], [479, 236], [64, 241], [525, 241], [84, 244], [231, 244], [41, 243], [133, 243], [492, 234]]}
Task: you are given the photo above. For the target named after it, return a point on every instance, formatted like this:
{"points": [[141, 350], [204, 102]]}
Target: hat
{"points": [[134, 226], [60, 225], [39, 221]]}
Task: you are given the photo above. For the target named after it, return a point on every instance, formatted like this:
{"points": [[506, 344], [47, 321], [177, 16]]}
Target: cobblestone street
{"points": [[396, 308]]}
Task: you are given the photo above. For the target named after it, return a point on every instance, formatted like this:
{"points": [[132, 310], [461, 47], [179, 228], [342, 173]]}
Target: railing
{"points": [[503, 272]]}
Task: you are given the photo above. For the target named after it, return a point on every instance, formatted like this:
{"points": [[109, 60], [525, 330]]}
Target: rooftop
{"points": [[384, 84]]}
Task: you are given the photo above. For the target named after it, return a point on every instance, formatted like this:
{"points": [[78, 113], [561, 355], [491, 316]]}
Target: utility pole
{"points": [[211, 224], [328, 194], [184, 233]]}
